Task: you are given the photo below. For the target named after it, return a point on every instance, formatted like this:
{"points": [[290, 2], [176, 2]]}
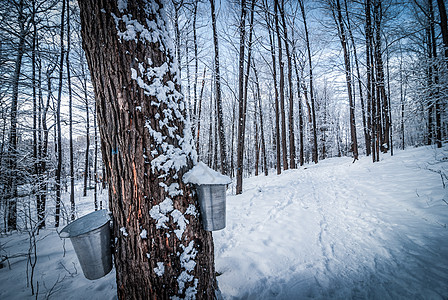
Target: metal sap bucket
{"points": [[212, 200], [90, 237]]}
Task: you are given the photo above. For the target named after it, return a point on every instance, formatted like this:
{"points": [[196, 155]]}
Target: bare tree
{"points": [[360, 85], [11, 192], [58, 122], [301, 147], [337, 15], [222, 137], [263, 141], [313, 110], [241, 105], [70, 121], [292, 146], [281, 87], [269, 26], [243, 84], [443, 26]]}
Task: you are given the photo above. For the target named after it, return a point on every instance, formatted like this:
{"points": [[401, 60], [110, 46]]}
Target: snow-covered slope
{"points": [[335, 230], [340, 230]]}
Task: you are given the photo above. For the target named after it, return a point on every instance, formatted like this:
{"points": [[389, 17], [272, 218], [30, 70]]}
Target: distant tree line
{"points": [[269, 86]]}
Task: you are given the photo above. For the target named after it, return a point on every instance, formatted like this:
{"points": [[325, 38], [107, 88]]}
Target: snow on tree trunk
{"points": [[161, 249]]}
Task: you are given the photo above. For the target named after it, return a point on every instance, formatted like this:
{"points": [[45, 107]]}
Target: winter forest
{"points": [[328, 117]]}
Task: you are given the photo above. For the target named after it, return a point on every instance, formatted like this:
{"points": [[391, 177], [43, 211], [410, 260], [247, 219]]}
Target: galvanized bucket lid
{"points": [[85, 224], [201, 174]]}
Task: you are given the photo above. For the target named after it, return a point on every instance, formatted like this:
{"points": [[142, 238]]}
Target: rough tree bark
{"points": [[161, 249]]}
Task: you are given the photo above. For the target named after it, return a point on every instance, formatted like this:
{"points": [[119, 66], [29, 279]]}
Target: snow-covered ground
{"points": [[335, 230], [340, 230]]}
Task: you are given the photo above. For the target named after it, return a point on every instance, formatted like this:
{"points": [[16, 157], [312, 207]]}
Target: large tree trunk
{"points": [[161, 249]]}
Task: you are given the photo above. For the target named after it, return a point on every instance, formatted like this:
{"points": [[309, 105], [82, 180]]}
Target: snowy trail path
{"points": [[337, 230]]}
